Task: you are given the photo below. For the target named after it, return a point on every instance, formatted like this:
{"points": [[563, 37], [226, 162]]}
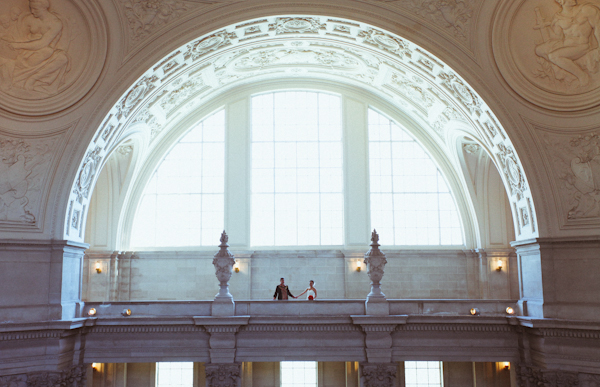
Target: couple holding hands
{"points": [[282, 292]]}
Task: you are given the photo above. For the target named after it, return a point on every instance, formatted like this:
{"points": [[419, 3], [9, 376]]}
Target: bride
{"points": [[311, 291]]}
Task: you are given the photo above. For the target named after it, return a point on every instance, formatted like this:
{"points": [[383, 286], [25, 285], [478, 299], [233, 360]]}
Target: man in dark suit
{"points": [[282, 292]]}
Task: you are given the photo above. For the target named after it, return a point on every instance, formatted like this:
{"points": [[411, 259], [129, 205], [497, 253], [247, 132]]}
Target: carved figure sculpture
{"points": [[571, 41], [33, 51]]}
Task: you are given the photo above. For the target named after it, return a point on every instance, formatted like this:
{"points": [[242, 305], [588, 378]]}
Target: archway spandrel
{"points": [[47, 59], [547, 50]]}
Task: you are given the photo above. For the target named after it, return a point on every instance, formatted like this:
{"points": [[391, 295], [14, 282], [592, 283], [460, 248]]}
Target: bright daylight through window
{"points": [[410, 201], [298, 373], [297, 176], [423, 373], [175, 374], [183, 203]]}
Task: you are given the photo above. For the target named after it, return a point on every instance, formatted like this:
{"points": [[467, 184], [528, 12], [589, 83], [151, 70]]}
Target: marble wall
{"points": [[189, 275]]}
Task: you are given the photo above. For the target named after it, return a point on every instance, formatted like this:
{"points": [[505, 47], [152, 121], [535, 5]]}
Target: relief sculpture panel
{"points": [[44, 50], [548, 50], [24, 166], [575, 161]]}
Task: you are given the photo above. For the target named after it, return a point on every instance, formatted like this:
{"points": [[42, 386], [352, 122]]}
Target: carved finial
{"points": [[224, 238], [375, 237]]}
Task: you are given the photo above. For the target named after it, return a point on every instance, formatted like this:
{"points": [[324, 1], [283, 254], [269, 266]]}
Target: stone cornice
{"points": [[594, 240]]}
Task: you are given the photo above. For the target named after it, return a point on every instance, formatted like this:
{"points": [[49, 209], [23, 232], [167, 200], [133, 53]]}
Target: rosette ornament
{"points": [[375, 261], [223, 262]]}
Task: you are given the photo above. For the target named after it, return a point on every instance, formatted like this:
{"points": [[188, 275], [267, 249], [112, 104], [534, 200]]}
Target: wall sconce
{"points": [[96, 367], [474, 312], [92, 312], [506, 365], [358, 266], [126, 312], [510, 310], [499, 265], [236, 267], [98, 267]]}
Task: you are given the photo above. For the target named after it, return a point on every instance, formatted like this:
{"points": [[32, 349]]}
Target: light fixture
{"points": [[510, 310], [96, 367], [506, 365], [98, 267], [92, 312], [474, 311], [126, 312], [358, 266], [499, 265], [236, 267]]}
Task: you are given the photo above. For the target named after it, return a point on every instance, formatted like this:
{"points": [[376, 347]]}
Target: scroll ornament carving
{"points": [[264, 58], [413, 91], [379, 375], [385, 42], [175, 97], [577, 164], [23, 167], [146, 16], [87, 173], [213, 42], [463, 93], [512, 171], [589, 380], [136, 94], [472, 149], [223, 375], [451, 14], [296, 25], [375, 261]]}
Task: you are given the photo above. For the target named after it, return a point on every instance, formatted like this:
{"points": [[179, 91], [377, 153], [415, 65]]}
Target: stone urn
{"points": [[375, 261], [223, 262]]}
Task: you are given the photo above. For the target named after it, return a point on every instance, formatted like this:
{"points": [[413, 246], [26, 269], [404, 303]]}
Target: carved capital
{"points": [[378, 375], [223, 375]]}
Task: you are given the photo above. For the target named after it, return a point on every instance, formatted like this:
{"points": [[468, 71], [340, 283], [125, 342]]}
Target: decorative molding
{"points": [[455, 328], [472, 149], [147, 16], [147, 329], [301, 328], [534, 377], [46, 334]]}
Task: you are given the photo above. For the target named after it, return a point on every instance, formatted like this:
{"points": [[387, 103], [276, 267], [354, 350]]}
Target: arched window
{"points": [[183, 202], [410, 200], [297, 175]]}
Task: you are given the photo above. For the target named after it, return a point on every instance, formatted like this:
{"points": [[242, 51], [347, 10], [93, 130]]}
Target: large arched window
{"points": [[410, 200], [183, 202], [289, 146], [297, 187]]}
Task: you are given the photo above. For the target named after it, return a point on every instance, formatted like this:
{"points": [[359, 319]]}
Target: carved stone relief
{"points": [[575, 162], [23, 169], [44, 51], [551, 47], [379, 375], [534, 377], [74, 377], [223, 375], [145, 16]]}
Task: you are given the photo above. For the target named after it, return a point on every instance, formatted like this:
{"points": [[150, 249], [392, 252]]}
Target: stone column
{"points": [[557, 277], [375, 260], [223, 261], [223, 375], [378, 375]]}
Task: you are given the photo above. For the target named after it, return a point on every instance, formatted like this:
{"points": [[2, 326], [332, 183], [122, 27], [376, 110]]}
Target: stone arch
{"points": [[299, 46]]}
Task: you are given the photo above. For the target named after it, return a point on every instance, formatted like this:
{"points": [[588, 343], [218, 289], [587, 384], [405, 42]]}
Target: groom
{"points": [[282, 292]]}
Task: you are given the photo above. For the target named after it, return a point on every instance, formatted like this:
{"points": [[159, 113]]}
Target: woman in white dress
{"points": [[311, 292]]}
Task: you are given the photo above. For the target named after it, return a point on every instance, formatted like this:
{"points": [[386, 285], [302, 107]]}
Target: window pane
{"points": [[297, 171], [175, 374], [183, 203], [423, 373], [410, 200], [298, 373]]}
